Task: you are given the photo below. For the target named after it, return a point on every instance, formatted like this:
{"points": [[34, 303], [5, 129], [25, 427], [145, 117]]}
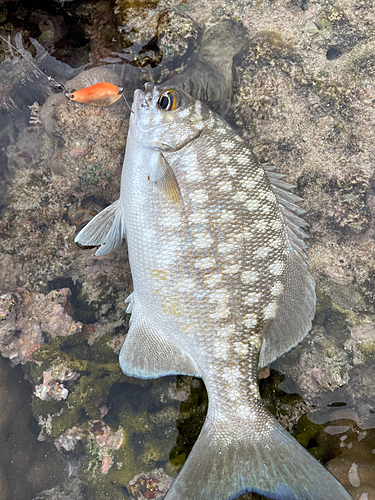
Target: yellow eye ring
{"points": [[169, 100]]}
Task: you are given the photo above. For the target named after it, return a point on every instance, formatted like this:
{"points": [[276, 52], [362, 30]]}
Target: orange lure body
{"points": [[100, 94]]}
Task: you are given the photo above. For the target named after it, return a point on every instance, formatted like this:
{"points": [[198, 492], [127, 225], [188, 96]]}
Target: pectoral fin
{"points": [[165, 179], [147, 353], [106, 229]]}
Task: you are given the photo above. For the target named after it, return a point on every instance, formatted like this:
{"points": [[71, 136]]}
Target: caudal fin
{"points": [[226, 463]]}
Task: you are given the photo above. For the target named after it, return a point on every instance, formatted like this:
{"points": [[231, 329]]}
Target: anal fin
{"points": [[147, 353], [105, 230]]}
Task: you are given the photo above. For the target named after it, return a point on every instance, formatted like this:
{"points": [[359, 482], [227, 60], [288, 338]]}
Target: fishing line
{"points": [[130, 109], [58, 86], [61, 87]]}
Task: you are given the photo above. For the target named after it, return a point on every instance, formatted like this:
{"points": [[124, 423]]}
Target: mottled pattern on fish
{"points": [[219, 280], [221, 258]]}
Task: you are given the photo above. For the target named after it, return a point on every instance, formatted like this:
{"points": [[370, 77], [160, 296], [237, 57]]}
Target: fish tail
{"points": [[227, 461]]}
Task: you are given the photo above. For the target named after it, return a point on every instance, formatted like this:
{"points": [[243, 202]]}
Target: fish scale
{"points": [[236, 306], [221, 287]]}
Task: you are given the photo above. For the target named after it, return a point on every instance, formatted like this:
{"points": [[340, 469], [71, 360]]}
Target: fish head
{"points": [[166, 118]]}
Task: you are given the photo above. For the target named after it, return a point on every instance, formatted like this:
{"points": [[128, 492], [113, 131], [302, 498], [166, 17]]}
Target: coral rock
{"points": [[153, 485], [26, 317]]}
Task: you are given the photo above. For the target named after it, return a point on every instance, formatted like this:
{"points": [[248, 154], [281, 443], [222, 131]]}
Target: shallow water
{"points": [[296, 80]]}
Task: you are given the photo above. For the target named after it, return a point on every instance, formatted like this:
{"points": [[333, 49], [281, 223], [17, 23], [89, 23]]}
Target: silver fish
{"points": [[221, 287]]}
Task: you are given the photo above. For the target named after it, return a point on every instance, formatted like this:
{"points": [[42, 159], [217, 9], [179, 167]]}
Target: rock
{"points": [[354, 467], [153, 485], [9, 273], [74, 489], [25, 464], [27, 317]]}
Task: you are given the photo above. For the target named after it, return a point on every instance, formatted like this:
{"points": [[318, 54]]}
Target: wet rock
{"points": [[182, 391], [74, 489], [173, 48], [333, 367], [79, 366], [346, 209], [26, 318], [26, 466], [51, 388], [209, 75], [178, 39], [153, 485], [166, 44], [98, 22], [100, 437], [68, 440], [137, 20], [52, 28], [40, 221], [354, 466]]}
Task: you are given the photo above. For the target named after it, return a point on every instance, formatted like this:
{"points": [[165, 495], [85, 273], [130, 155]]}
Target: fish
{"points": [[221, 288]]}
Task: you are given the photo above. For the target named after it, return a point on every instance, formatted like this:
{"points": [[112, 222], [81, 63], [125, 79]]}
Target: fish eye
{"points": [[169, 100]]}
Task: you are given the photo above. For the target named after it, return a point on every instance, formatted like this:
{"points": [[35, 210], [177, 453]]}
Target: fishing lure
{"points": [[100, 94]]}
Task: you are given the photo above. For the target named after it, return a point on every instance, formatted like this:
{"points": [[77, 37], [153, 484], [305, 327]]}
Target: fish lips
{"points": [[139, 106]]}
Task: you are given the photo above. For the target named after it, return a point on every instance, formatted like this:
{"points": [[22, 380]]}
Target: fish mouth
{"points": [[143, 99], [139, 103], [139, 96], [142, 108]]}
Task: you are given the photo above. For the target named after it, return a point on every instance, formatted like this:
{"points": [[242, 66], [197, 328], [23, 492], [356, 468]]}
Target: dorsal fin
{"points": [[296, 306], [290, 211]]}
